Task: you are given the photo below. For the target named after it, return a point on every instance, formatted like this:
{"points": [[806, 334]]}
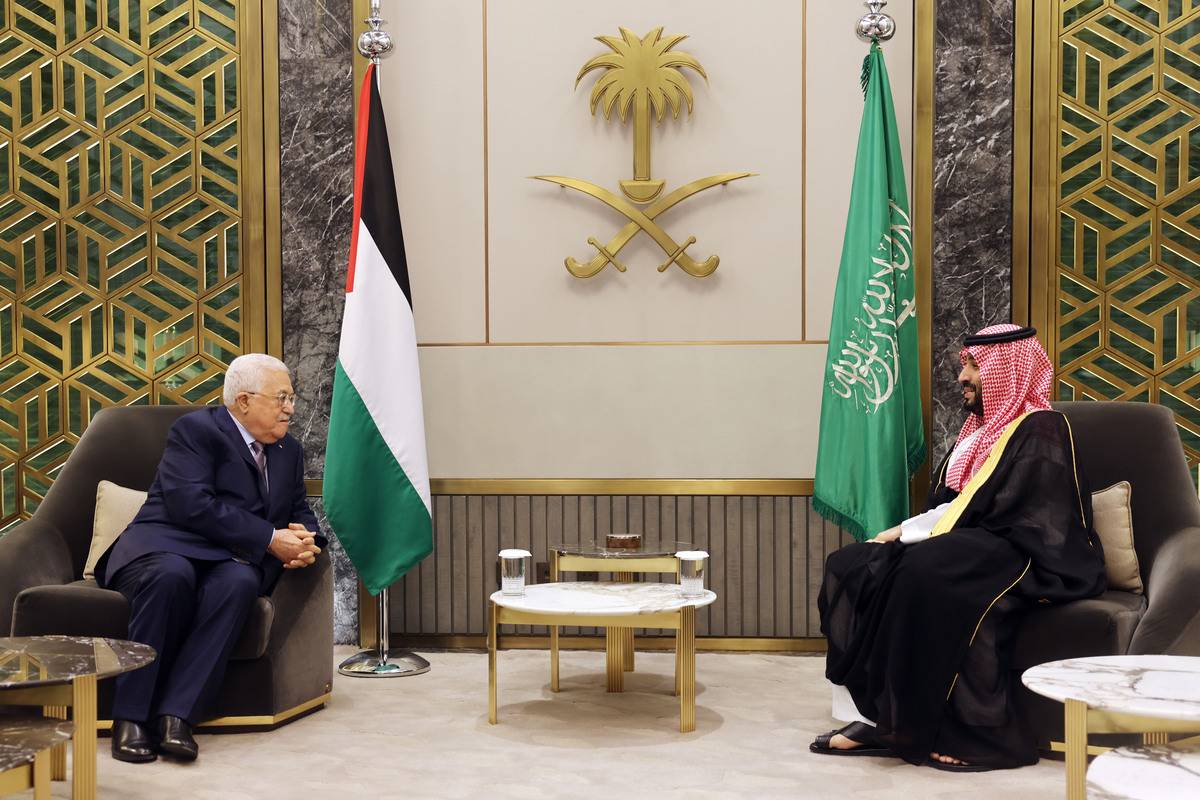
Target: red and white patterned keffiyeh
{"points": [[1016, 379]]}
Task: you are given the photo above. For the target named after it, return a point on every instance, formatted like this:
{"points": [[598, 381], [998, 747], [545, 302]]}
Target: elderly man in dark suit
{"points": [[227, 512]]}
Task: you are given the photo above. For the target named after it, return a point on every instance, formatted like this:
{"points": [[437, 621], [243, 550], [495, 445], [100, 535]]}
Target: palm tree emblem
{"points": [[646, 75], [642, 77]]}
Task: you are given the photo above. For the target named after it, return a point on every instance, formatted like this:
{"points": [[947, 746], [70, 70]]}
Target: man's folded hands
{"points": [[295, 546]]}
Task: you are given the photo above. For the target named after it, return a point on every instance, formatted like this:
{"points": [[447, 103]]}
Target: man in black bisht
{"points": [[920, 624]]}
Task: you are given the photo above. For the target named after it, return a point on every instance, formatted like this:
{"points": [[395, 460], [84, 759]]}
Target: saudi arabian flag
{"points": [[872, 437], [376, 473]]}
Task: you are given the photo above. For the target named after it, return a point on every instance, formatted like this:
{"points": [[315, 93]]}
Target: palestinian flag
{"points": [[376, 488]]}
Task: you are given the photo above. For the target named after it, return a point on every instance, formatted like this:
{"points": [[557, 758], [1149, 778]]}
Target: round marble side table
{"points": [[1151, 695], [25, 745], [613, 606], [60, 671], [1148, 772]]}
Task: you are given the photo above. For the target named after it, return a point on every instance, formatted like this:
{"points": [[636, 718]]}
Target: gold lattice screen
{"points": [[122, 227], [1126, 285]]}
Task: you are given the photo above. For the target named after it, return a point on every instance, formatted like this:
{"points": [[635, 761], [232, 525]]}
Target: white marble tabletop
{"points": [[1146, 772], [1164, 687], [600, 599]]}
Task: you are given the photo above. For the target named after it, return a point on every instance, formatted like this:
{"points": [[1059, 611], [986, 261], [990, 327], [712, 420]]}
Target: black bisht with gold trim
{"points": [[921, 634]]}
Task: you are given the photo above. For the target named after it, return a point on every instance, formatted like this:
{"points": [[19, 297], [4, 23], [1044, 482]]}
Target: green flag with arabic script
{"points": [[872, 436]]}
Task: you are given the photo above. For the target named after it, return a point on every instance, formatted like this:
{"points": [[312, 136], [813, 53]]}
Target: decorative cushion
{"points": [[1114, 524], [116, 507]]}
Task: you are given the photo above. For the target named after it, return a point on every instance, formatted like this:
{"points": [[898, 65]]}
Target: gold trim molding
{"points": [[924, 26], [250, 720], [708, 644], [800, 487]]}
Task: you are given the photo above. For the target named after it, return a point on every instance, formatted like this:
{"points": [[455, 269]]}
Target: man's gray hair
{"points": [[248, 373]]}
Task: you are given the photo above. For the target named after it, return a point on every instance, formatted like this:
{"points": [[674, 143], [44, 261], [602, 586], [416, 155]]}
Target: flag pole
{"points": [[382, 662]]}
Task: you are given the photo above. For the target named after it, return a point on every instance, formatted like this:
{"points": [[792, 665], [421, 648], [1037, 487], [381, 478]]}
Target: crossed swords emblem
{"points": [[644, 74]]}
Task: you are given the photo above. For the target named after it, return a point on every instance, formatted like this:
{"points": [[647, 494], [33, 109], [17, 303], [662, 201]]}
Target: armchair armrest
{"points": [[31, 554], [76, 609], [301, 639], [1171, 625]]}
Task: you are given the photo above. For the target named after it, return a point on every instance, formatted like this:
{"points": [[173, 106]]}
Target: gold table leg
{"points": [[1075, 735], [678, 673], [58, 753], [554, 628], [83, 745], [685, 645], [614, 658], [492, 646], [627, 577], [41, 775], [554, 658]]}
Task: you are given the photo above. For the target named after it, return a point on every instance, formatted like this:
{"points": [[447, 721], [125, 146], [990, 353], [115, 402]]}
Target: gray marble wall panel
{"points": [[972, 163], [345, 583], [316, 121]]}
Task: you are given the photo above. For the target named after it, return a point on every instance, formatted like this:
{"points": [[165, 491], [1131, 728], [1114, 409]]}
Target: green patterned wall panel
{"points": [[121, 246], [1128, 205]]}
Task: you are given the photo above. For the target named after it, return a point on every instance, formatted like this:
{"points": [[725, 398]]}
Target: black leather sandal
{"points": [[859, 732], [944, 767]]}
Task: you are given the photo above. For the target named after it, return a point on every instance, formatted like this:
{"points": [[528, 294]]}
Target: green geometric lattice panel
{"points": [[1109, 60], [121, 237], [1127, 286]]}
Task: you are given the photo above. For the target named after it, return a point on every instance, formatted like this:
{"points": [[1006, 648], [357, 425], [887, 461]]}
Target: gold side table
{"points": [[1151, 695], [615, 606], [25, 746], [623, 565], [56, 672]]}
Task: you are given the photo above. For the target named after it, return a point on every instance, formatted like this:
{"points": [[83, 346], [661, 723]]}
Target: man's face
{"points": [[972, 389], [262, 413]]}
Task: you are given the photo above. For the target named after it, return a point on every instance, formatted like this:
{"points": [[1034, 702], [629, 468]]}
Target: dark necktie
{"points": [[260, 458]]}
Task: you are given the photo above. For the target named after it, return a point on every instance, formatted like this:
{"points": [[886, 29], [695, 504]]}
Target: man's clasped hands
{"points": [[294, 545]]}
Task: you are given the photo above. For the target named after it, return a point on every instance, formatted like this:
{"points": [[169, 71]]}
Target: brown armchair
{"points": [[282, 666], [1137, 442]]}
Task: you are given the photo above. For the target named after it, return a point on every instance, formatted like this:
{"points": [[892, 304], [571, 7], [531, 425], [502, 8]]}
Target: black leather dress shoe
{"points": [[131, 742], [175, 738]]}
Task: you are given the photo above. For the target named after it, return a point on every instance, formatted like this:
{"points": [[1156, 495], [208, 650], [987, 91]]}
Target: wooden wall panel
{"points": [[767, 554]]}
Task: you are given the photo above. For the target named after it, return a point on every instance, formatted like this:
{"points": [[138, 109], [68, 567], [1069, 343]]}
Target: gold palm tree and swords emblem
{"points": [[642, 78]]}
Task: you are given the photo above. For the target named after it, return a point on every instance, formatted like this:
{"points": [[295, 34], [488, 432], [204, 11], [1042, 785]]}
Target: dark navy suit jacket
{"points": [[208, 501]]}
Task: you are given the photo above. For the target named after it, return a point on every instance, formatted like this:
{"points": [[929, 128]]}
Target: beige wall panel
{"points": [[747, 118], [617, 412], [432, 92], [834, 102]]}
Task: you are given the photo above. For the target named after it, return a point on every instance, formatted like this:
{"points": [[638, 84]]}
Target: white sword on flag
{"points": [[382, 662]]}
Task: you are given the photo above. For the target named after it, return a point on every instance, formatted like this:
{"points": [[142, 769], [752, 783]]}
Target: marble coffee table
{"points": [[60, 671], [1148, 772], [1151, 695], [615, 607]]}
